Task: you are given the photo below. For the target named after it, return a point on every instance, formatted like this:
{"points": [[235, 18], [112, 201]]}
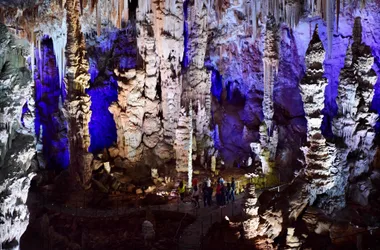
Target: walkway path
{"points": [[192, 235]]}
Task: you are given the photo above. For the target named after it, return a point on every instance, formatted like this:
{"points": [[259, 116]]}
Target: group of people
{"points": [[224, 193]]}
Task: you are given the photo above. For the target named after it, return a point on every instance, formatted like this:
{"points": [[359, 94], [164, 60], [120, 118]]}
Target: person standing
{"points": [[233, 187], [195, 196], [182, 190], [204, 193], [194, 182], [228, 193], [218, 193], [209, 192], [222, 193]]}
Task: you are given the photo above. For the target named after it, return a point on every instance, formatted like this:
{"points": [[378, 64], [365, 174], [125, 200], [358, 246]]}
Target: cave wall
{"points": [[17, 138], [172, 53]]}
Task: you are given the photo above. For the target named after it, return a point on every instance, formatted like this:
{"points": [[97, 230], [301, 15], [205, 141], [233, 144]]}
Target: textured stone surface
{"points": [[17, 141], [251, 63], [77, 103], [251, 224], [354, 123]]}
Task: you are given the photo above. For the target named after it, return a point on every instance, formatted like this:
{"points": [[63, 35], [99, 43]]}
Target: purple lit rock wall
{"points": [[112, 50], [48, 115], [239, 60], [235, 59]]}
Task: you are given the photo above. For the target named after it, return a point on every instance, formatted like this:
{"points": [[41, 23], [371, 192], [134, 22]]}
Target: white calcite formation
{"points": [[251, 223], [15, 178], [354, 124], [183, 144], [318, 157], [145, 121], [129, 114], [266, 149], [270, 60], [17, 142], [170, 51], [315, 178], [196, 79], [77, 103], [15, 90]]}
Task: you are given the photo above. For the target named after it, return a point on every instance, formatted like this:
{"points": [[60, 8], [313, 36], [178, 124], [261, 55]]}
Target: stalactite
{"points": [[270, 69], [190, 152], [330, 24], [98, 19], [144, 6], [32, 53], [254, 18], [126, 10], [219, 8], [93, 4], [292, 13], [337, 14], [39, 54], [59, 44], [119, 13]]}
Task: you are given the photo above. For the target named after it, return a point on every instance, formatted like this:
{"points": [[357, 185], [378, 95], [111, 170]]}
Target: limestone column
{"points": [[77, 103]]}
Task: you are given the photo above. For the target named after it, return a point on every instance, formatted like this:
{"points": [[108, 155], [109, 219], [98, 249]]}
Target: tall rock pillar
{"points": [[77, 103]]}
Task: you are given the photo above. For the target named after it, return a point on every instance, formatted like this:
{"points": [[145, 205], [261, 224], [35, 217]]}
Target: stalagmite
{"points": [[183, 143], [354, 123], [319, 155], [77, 103], [266, 149], [270, 70], [213, 163], [196, 77], [251, 221], [316, 178]]}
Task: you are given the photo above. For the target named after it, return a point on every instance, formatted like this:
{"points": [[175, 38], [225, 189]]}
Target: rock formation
{"points": [[77, 103], [266, 150], [318, 155], [354, 125], [17, 140], [315, 179], [270, 70], [196, 79], [129, 114], [195, 82], [251, 224]]}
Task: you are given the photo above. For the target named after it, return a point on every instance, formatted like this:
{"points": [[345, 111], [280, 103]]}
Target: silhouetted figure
{"points": [[181, 190]]}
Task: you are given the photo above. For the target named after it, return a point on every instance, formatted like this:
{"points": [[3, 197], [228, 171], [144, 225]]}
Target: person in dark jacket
{"points": [[228, 193], [233, 187], [222, 194]]}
